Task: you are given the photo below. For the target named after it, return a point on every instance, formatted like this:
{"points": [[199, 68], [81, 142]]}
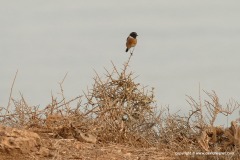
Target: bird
{"points": [[131, 41]]}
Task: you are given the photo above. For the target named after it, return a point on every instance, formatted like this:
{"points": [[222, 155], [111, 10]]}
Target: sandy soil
{"points": [[24, 144]]}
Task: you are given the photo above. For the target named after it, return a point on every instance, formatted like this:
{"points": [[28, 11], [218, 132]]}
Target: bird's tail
{"points": [[127, 50]]}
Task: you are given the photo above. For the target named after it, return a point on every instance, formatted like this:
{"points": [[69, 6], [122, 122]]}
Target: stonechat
{"points": [[131, 41]]}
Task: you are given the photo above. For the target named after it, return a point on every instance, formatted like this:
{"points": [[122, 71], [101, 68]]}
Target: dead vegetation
{"points": [[117, 110]]}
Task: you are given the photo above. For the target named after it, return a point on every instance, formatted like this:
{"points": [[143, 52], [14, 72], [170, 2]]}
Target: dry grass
{"points": [[117, 110]]}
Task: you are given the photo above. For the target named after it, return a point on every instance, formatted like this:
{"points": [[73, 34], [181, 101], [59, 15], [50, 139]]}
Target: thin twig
{"points": [[62, 92], [10, 96]]}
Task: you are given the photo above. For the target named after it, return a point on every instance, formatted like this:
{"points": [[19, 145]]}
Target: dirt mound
{"points": [[24, 144], [14, 140], [21, 144]]}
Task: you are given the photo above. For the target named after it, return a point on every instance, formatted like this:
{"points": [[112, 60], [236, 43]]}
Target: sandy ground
{"points": [[24, 144]]}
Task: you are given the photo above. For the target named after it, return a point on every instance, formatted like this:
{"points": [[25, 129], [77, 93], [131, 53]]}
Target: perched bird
{"points": [[131, 41]]}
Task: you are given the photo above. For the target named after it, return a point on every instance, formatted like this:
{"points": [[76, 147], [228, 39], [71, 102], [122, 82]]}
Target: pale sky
{"points": [[180, 44]]}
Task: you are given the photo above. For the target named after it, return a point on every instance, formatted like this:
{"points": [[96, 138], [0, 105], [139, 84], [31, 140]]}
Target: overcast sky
{"points": [[181, 44]]}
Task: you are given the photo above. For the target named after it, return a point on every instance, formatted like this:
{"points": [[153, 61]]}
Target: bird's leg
{"points": [[131, 52]]}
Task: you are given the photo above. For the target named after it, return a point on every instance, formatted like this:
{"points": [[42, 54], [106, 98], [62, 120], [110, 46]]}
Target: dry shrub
{"points": [[175, 133], [119, 110], [122, 109], [211, 137], [197, 132], [20, 115]]}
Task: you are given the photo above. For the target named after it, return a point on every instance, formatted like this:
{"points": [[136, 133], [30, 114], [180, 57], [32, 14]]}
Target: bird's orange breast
{"points": [[131, 42]]}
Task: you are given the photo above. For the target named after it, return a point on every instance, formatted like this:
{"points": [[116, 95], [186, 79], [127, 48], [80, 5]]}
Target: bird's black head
{"points": [[133, 34]]}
